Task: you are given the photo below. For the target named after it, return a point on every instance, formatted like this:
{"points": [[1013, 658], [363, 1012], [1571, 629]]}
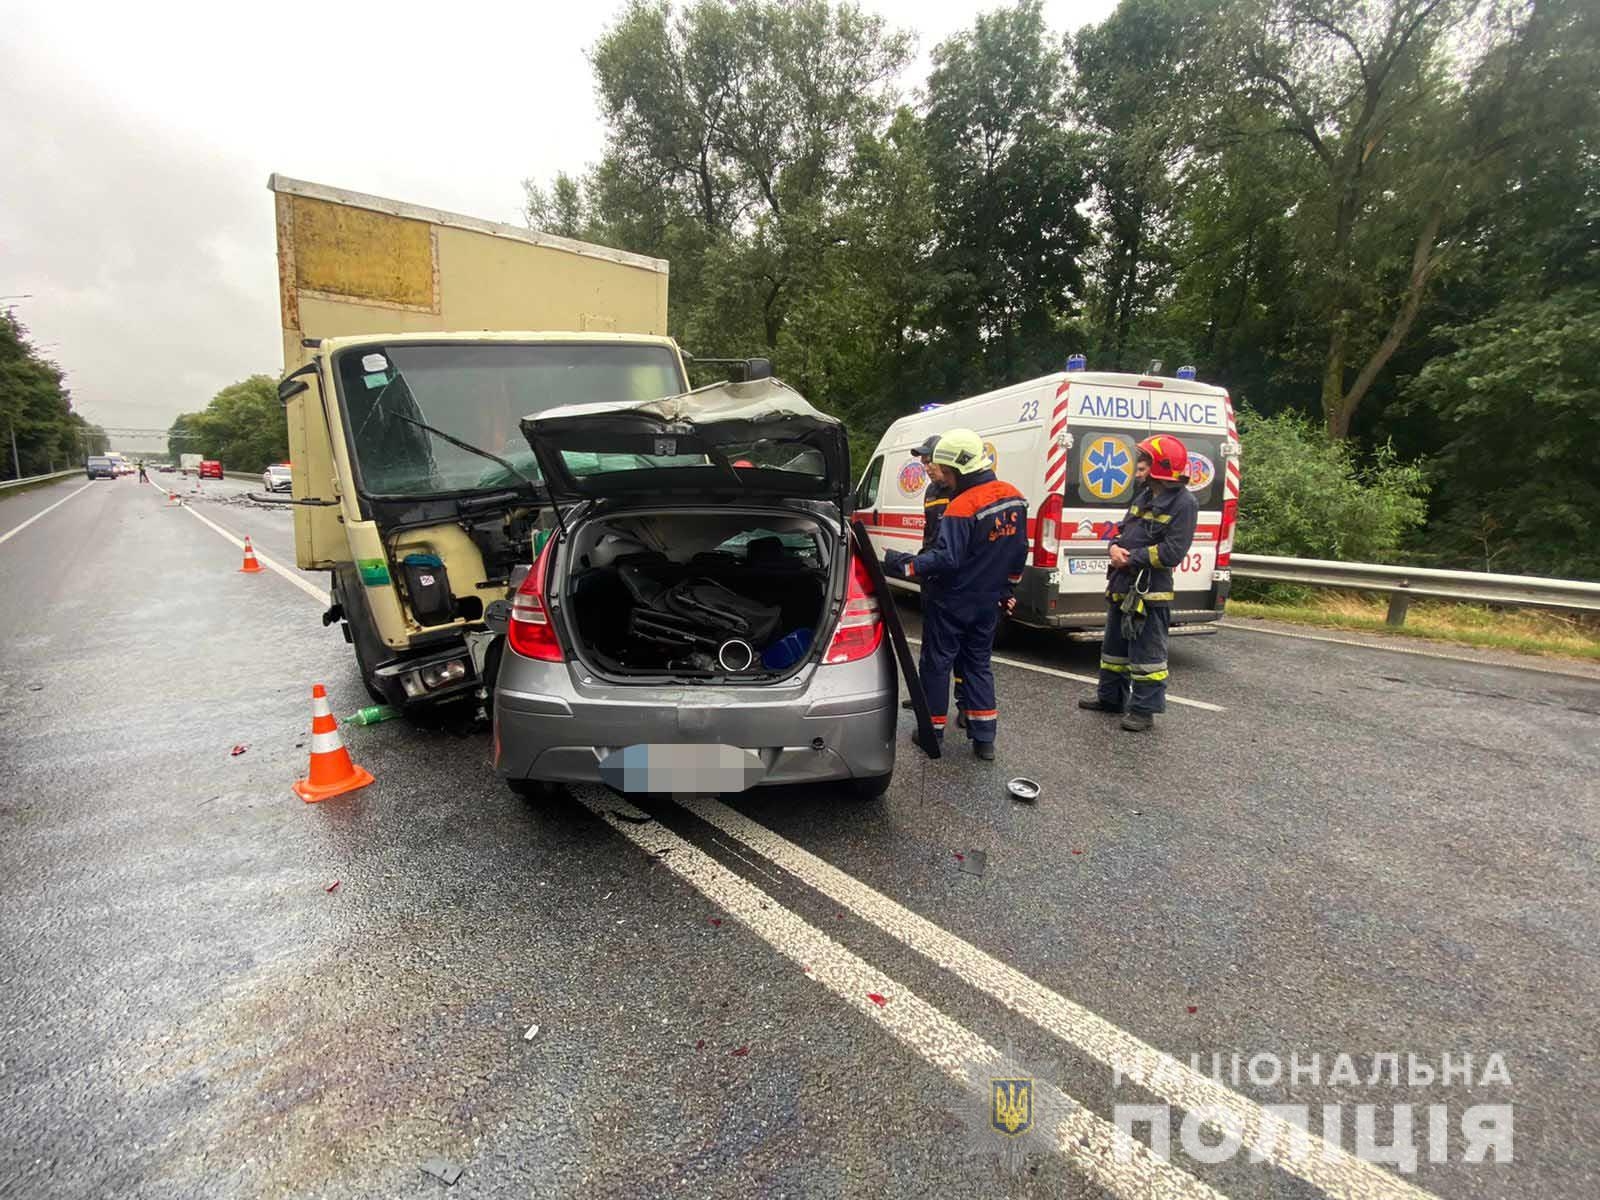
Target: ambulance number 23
{"points": [[1191, 562]]}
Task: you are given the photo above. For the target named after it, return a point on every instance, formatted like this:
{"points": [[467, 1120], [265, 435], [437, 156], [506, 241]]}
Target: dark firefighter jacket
{"points": [[1157, 533], [981, 547]]}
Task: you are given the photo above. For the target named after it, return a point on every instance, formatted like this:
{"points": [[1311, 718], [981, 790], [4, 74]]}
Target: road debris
{"points": [[445, 1172], [1024, 789], [372, 714], [876, 999], [238, 750], [331, 886], [741, 1052], [533, 1032], [974, 862]]}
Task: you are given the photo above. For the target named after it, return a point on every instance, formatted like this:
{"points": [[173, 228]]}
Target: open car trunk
{"points": [[713, 596]]}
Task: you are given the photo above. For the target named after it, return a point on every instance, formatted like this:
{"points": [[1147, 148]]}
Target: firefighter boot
{"points": [[1094, 704], [1138, 722], [984, 750]]}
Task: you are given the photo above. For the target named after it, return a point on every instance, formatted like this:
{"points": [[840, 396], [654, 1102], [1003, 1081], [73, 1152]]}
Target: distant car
{"points": [[210, 469], [99, 466], [276, 478]]}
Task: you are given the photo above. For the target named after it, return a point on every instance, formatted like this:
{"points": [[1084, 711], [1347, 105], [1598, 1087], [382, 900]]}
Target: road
{"points": [[1335, 850]]}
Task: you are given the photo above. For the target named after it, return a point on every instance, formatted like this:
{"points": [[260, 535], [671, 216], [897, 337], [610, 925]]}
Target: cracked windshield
{"points": [[477, 394]]}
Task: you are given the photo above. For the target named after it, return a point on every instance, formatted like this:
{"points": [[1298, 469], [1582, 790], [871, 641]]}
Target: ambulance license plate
{"points": [[1086, 566]]}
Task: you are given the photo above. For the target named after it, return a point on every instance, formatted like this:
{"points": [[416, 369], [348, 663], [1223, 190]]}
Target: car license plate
{"points": [[1086, 566], [682, 768]]}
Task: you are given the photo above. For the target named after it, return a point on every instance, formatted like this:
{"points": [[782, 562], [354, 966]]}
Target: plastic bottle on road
{"points": [[372, 715]]}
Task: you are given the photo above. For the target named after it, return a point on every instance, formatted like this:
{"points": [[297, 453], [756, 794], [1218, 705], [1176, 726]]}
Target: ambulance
{"points": [[1067, 442]]}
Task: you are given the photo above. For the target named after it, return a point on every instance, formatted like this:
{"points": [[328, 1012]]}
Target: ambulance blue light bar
{"points": [[929, 407], [1185, 372], [1077, 362]]}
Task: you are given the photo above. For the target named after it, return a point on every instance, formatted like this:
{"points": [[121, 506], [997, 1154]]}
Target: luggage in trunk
{"points": [[717, 614]]}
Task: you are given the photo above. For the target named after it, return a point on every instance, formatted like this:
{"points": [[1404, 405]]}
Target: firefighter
{"points": [[1151, 541], [975, 560], [936, 496]]}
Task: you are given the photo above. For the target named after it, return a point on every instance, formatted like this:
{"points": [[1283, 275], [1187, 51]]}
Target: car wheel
{"points": [[541, 791], [870, 788]]}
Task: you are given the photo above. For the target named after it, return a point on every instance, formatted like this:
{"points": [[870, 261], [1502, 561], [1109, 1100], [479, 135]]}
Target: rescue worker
{"points": [[975, 560], [143, 478], [936, 496], [1151, 541]]}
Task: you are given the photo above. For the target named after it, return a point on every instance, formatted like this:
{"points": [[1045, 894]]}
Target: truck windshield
{"points": [[477, 392]]}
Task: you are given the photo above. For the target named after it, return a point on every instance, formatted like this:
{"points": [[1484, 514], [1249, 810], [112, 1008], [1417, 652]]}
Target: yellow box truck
{"points": [[414, 342]]}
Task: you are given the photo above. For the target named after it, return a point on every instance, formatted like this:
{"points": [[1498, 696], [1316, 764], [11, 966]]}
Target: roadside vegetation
{"points": [[1527, 631], [36, 410], [242, 427]]}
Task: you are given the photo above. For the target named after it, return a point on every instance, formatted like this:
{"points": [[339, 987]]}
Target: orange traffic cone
{"points": [[332, 773], [172, 498], [251, 566]]}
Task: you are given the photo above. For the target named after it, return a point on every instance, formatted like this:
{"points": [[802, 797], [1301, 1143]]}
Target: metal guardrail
{"points": [[12, 483], [1402, 583]]}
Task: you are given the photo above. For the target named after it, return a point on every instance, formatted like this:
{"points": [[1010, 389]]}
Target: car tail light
{"points": [[1047, 532], [531, 634], [1230, 514], [860, 629]]}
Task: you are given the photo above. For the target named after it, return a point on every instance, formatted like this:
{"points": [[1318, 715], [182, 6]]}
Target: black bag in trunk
{"points": [[722, 612]]}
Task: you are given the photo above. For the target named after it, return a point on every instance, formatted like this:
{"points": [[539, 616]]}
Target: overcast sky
{"points": [[137, 139]]}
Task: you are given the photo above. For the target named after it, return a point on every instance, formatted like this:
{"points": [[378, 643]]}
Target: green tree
{"points": [[36, 410], [1008, 179], [243, 427], [1409, 131], [1308, 497]]}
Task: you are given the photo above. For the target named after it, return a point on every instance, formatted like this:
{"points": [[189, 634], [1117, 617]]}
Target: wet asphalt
{"points": [[1364, 852]]}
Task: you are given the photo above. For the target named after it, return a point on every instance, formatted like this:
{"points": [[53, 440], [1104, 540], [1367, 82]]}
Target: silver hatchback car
{"points": [[700, 620]]}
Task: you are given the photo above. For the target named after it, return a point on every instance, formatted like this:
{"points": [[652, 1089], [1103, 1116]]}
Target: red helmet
{"points": [[1169, 458]]}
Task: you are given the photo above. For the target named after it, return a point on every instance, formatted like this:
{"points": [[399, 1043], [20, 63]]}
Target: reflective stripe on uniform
{"points": [[982, 714], [1000, 506], [1155, 557], [1154, 597], [1116, 668], [1153, 677]]}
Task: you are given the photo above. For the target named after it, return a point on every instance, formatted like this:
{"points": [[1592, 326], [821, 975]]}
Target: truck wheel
{"points": [[367, 676]]}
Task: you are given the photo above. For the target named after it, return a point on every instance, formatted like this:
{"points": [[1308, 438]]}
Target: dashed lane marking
{"points": [[1028, 666], [1119, 1163], [1319, 1162], [272, 564], [11, 533]]}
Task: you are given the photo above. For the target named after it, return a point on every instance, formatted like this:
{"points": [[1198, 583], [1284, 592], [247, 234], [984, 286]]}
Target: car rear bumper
{"points": [[830, 723]]}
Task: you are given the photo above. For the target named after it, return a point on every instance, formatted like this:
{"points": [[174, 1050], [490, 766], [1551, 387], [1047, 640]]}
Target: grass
{"points": [[1527, 631]]}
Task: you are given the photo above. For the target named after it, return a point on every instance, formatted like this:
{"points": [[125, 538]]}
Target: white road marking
{"points": [[1028, 666], [1318, 1162], [1460, 658], [1115, 1161], [272, 564], [11, 533]]}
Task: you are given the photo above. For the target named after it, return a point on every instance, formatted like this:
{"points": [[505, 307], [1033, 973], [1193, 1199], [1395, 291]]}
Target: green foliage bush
{"points": [[1306, 496], [243, 427]]}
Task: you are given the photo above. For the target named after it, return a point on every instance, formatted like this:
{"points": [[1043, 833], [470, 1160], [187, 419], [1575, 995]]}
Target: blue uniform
{"points": [[1156, 533], [974, 562]]}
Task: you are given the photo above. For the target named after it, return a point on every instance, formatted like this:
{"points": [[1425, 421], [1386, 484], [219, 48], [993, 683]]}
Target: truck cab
{"points": [[415, 343]]}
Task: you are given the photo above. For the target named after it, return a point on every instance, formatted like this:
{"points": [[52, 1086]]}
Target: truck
{"points": [[415, 341], [189, 464]]}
